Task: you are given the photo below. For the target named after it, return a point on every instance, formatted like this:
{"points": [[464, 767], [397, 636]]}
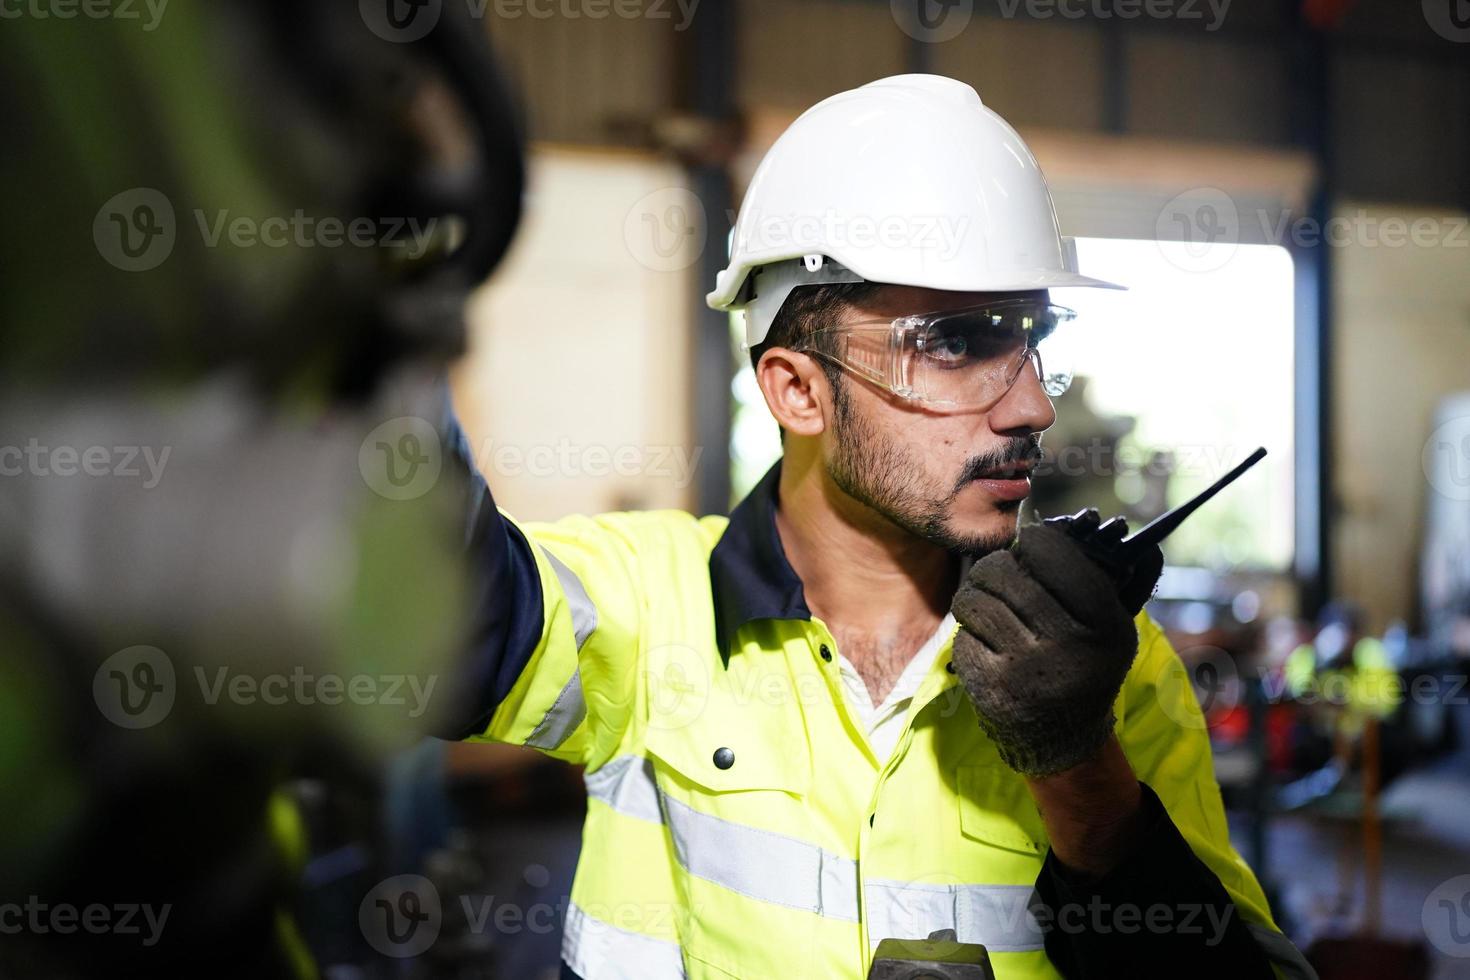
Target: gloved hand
{"points": [[1047, 638]]}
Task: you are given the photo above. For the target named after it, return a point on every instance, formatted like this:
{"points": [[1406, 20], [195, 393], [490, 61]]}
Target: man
{"points": [[783, 767]]}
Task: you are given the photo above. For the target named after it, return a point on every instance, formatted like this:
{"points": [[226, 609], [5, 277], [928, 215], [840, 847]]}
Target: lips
{"points": [[1011, 481], [1007, 488]]}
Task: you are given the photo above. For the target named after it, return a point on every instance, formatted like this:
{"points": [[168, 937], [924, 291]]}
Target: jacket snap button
{"points": [[724, 757], [826, 653], [949, 666]]}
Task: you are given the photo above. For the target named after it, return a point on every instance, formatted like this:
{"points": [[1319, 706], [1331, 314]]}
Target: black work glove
{"points": [[1047, 639]]}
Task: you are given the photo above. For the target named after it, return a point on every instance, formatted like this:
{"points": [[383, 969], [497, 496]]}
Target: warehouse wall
{"points": [[1402, 343], [1401, 94], [575, 393], [552, 59]]}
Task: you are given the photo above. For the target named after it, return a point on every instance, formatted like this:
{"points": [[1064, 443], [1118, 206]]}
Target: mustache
{"points": [[1020, 449]]}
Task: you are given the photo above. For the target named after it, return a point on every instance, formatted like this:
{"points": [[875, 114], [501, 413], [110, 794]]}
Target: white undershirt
{"points": [[884, 723]]}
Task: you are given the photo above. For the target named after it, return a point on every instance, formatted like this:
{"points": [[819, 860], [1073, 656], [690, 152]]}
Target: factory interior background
{"points": [[1284, 185], [1256, 182], [1239, 178]]}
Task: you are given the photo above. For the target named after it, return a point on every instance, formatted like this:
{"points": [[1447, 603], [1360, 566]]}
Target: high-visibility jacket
{"points": [[1367, 686], [738, 823]]}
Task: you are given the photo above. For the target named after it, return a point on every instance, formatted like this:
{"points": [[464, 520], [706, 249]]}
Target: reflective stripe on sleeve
{"points": [[569, 708], [565, 714], [584, 613], [598, 950], [996, 916]]}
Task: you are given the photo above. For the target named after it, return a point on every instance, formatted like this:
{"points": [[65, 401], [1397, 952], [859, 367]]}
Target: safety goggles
{"points": [[965, 358]]}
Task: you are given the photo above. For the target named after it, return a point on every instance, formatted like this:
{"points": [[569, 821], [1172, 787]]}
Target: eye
{"points": [[963, 342], [951, 346]]}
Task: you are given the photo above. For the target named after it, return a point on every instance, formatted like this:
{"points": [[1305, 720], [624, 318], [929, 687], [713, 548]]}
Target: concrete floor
{"points": [[1426, 848]]}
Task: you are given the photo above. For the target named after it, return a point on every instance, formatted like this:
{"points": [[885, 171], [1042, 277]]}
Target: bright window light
{"points": [[1179, 378], [1196, 355]]}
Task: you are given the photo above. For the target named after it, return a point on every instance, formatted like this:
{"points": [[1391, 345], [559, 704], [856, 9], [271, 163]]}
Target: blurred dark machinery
{"points": [[146, 611]]}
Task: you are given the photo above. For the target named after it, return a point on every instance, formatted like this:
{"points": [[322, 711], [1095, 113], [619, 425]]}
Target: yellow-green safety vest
{"points": [[738, 823]]}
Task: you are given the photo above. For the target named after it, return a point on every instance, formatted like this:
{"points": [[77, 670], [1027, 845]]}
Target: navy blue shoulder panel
{"points": [[506, 605]]}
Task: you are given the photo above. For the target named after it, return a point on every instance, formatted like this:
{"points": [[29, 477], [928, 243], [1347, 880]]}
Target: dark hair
{"points": [[807, 309]]}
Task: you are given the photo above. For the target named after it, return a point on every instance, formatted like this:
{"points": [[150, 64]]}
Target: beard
{"points": [[888, 477]]}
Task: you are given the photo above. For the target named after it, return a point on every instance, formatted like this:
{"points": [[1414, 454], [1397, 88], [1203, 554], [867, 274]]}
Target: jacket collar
{"points": [[749, 574]]}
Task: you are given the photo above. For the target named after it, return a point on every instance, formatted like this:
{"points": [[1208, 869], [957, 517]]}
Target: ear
{"points": [[796, 389]]}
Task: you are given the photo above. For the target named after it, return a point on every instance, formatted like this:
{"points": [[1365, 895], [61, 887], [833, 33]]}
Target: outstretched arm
{"points": [[554, 627]]}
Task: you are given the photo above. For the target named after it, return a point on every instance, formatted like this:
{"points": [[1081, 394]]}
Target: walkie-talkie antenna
{"points": [[1162, 526]]}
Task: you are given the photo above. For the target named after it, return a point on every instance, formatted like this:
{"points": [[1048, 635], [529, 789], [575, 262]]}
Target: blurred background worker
{"points": [[240, 240], [1347, 670]]}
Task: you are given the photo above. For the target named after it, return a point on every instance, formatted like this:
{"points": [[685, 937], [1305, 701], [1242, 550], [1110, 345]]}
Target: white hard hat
{"points": [[908, 180]]}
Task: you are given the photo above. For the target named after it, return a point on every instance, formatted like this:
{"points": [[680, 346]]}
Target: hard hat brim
{"points": [[728, 286]]}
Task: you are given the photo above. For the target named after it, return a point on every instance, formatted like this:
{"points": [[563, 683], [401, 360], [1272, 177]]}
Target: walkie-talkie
{"points": [[1105, 543]]}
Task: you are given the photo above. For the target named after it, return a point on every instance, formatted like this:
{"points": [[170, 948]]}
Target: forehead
{"points": [[892, 300]]}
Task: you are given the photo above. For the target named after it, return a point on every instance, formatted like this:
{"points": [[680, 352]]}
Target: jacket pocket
{"points": [[715, 731], [996, 807]]}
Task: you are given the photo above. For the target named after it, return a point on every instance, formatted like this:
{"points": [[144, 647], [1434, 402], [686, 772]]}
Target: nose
{"points": [[1025, 407]]}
